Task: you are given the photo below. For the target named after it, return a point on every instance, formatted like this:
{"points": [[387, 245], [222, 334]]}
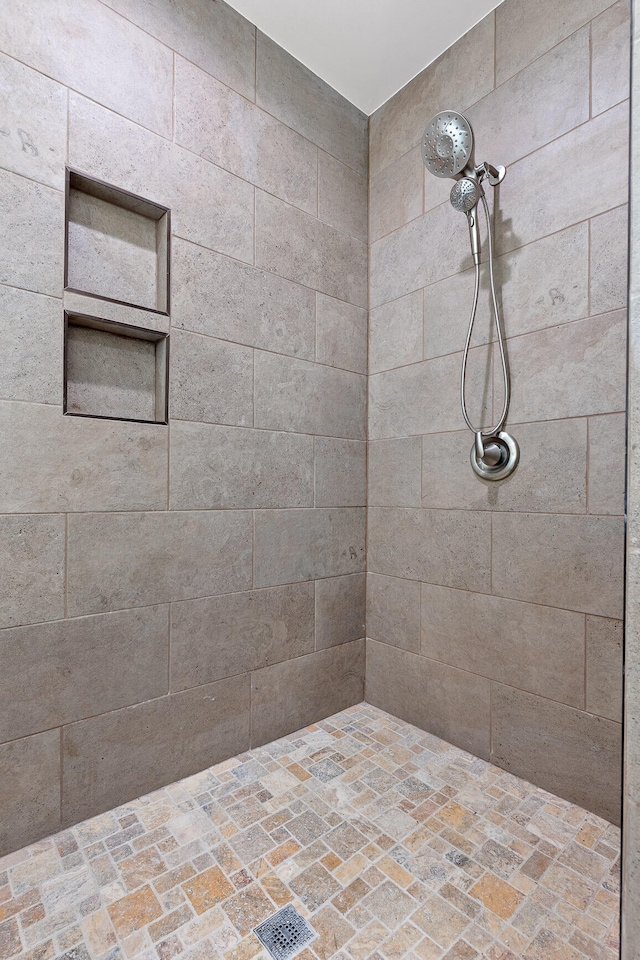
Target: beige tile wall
{"points": [[494, 610], [173, 595]]}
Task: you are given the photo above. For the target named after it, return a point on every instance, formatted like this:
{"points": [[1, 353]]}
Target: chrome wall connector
{"points": [[494, 458]]}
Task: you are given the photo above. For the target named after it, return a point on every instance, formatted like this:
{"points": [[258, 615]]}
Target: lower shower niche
{"points": [[114, 371]]}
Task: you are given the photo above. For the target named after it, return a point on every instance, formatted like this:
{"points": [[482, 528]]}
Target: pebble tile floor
{"points": [[394, 844]]}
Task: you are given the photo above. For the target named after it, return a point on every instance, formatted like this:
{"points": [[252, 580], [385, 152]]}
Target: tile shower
{"points": [[177, 595]]}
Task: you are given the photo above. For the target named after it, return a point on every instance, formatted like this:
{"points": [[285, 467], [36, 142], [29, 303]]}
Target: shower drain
{"points": [[285, 933]]}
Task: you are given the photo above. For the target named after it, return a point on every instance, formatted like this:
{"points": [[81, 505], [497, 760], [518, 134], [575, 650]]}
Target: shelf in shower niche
{"points": [[114, 371], [116, 244]]}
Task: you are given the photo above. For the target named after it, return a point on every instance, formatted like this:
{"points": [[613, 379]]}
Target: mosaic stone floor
{"points": [[395, 845]]}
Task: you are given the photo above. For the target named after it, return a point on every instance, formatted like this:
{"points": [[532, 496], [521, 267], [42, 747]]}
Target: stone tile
{"points": [[207, 889], [536, 648], [396, 195], [572, 370], [31, 342], [427, 545], [110, 60], [90, 306], [342, 196], [591, 547], [333, 932], [394, 472], [526, 29], [210, 380], [57, 463], [32, 556], [461, 75], [34, 112], [220, 637], [134, 911], [441, 921], [32, 239], [390, 904], [610, 62], [340, 473], [499, 897], [341, 339], [564, 202], [308, 398], [286, 696], [218, 468], [151, 744], [609, 241], [340, 610], [291, 92], [443, 700], [248, 908], [425, 397], [219, 125], [604, 667], [551, 476], [395, 333], [58, 672], [539, 104], [155, 557], [607, 440], [298, 247], [314, 886], [29, 790], [561, 744], [393, 611], [222, 298], [10, 942], [319, 543]]}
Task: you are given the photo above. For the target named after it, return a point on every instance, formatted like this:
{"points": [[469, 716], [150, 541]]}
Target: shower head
{"points": [[465, 194], [447, 144]]}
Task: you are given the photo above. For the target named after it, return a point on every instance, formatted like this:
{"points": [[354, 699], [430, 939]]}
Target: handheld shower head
{"points": [[465, 194], [447, 145]]}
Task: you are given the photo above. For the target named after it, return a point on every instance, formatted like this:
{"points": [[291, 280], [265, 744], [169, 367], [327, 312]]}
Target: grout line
{"points": [[61, 772], [585, 661], [169, 630], [66, 565]]}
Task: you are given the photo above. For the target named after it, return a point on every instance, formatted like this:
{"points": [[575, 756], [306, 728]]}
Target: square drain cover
{"points": [[285, 933]]}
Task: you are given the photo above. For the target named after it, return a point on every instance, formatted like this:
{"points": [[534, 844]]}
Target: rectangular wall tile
{"points": [[294, 545], [551, 476], [291, 92], [288, 696], [611, 66], [608, 275], [222, 298], [55, 463], [395, 333], [32, 235], [29, 790], [570, 371], [134, 559], [34, 112], [340, 610], [220, 637], [210, 380], [91, 49], [341, 338], [31, 343], [435, 546], [151, 744], [32, 557], [393, 611], [220, 125], [396, 195], [570, 562], [54, 673], [607, 449], [528, 645], [299, 247], [216, 468], [563, 745], [308, 398], [341, 473], [342, 196], [450, 703], [212, 35], [394, 472], [605, 671]]}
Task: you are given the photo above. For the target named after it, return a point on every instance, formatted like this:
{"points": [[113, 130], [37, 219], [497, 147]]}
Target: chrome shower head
{"points": [[447, 144], [465, 194]]}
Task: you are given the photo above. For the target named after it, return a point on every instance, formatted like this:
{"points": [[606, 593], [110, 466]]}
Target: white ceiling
{"points": [[365, 49]]}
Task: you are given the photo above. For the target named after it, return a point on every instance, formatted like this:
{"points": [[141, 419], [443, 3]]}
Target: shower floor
{"points": [[392, 843]]}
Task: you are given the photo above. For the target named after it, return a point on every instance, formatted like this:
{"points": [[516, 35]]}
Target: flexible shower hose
{"points": [[493, 431]]}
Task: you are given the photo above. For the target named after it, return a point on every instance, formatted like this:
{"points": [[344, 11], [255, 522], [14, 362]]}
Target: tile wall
{"points": [[174, 595], [494, 611]]}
